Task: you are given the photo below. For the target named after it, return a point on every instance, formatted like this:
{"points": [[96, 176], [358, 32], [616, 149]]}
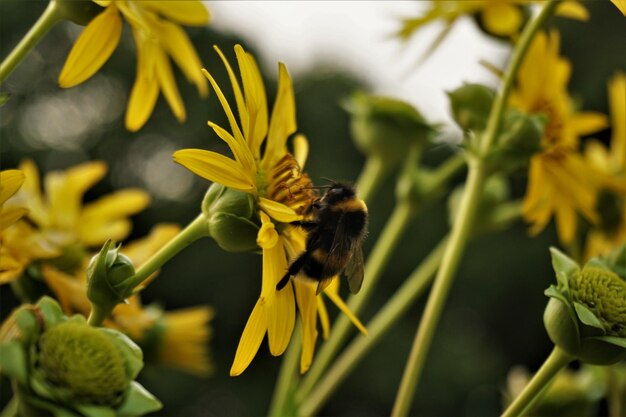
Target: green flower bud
{"points": [[61, 366], [77, 11], [519, 140], [82, 359], [107, 278], [233, 219], [386, 128], [471, 105], [586, 314]]}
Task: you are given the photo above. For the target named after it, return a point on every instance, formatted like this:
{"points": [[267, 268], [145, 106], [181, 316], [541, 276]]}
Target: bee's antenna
{"points": [[329, 180]]}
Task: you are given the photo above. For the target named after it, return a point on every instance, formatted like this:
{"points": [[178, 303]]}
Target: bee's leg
{"points": [[294, 268], [308, 226]]}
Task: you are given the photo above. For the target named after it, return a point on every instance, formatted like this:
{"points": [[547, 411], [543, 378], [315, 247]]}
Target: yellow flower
{"points": [[503, 18], [612, 163], [621, 5], [19, 243], [60, 214], [274, 177], [156, 37], [560, 184]]}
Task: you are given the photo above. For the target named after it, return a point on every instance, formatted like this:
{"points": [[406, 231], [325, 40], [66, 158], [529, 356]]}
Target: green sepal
{"points": [[13, 361], [564, 267], [470, 105], [233, 233], [132, 354], [96, 411], [30, 328], [617, 341], [587, 316], [562, 325], [51, 312], [138, 401]]}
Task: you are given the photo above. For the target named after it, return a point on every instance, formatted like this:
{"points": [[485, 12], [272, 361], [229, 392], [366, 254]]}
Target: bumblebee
{"points": [[335, 235]]}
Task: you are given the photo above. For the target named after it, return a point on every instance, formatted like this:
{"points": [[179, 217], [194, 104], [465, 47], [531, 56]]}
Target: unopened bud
{"points": [[470, 106]]}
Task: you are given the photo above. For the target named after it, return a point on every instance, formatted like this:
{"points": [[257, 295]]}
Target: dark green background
{"points": [[493, 316]]}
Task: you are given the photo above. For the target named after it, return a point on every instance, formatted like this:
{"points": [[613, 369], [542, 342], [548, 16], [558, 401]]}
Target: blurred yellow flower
{"points": [[503, 18], [612, 163], [60, 214], [560, 183], [274, 177], [158, 36], [19, 243]]}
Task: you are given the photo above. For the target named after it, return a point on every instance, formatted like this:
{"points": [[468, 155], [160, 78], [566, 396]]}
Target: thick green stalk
{"points": [[372, 175], [462, 227], [286, 375], [195, 230], [45, 22], [557, 360], [393, 310], [10, 410], [96, 316]]}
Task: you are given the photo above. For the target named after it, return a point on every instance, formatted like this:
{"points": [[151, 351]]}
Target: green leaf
{"points": [[563, 266], [96, 411], [554, 292], [133, 356], [587, 316], [138, 402], [617, 341], [13, 361], [28, 325], [51, 311]]}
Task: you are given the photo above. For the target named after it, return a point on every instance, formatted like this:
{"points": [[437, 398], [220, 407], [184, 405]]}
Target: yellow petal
{"points": [[215, 167], [10, 269], [324, 320], [585, 123], [120, 204], [267, 237], [617, 104], [282, 309], [244, 118], [335, 298], [240, 151], [278, 211], [10, 181], [145, 92], [10, 215], [283, 120], [565, 223], [250, 339], [229, 113], [165, 75], [69, 290], [92, 48], [179, 47], [621, 5], [30, 193], [572, 10], [307, 305], [95, 233], [140, 250], [190, 13], [300, 149], [502, 19]]}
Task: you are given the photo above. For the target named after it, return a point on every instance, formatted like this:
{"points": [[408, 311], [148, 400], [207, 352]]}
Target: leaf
{"points": [[587, 316], [138, 402], [51, 311], [563, 266], [133, 356], [13, 361], [617, 341]]}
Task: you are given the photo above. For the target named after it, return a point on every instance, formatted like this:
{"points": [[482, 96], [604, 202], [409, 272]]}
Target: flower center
{"points": [[287, 184]]}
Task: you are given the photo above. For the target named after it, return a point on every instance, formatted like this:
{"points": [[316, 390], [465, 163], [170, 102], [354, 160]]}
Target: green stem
{"points": [[10, 410], [393, 310], [376, 263], [443, 282], [462, 227], [288, 372], [195, 230], [617, 391], [553, 364], [45, 22], [372, 175], [96, 316]]}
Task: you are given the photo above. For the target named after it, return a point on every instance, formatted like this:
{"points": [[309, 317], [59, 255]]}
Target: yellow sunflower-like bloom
{"points": [[19, 243], [274, 177], [60, 214], [612, 163], [503, 18], [560, 183], [158, 37]]}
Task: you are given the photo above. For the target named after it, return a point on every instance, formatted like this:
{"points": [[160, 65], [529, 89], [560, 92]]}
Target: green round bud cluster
{"points": [[84, 360], [586, 314], [604, 293], [470, 105], [232, 218]]}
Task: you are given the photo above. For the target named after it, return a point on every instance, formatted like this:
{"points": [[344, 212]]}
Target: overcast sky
{"points": [[356, 35]]}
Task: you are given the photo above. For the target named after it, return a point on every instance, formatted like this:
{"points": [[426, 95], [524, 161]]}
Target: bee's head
{"points": [[339, 192]]}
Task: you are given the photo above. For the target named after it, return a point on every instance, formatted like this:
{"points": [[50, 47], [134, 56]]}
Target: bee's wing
{"points": [[354, 269]]}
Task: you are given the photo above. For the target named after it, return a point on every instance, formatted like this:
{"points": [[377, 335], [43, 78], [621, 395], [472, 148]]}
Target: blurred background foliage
{"points": [[493, 318]]}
